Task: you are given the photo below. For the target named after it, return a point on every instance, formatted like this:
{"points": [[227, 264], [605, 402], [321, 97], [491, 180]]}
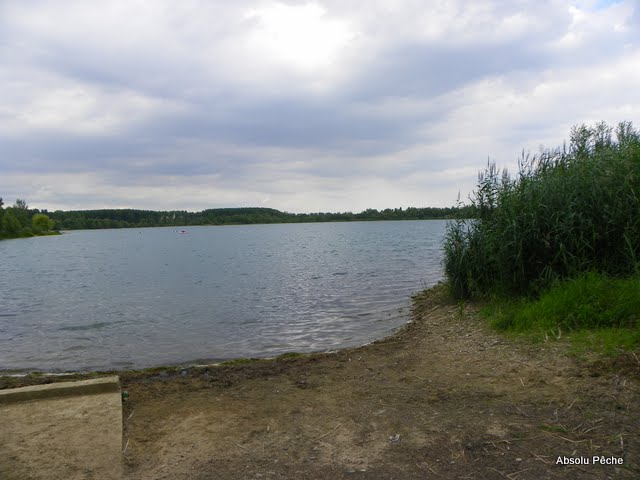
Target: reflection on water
{"points": [[142, 297]]}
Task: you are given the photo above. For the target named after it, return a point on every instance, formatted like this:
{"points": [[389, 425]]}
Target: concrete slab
{"points": [[59, 389], [67, 432]]}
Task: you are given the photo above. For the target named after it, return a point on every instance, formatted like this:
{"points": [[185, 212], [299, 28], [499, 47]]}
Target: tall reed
{"points": [[569, 210]]}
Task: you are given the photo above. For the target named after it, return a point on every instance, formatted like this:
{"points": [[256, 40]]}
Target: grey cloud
{"points": [[424, 71], [383, 118]]}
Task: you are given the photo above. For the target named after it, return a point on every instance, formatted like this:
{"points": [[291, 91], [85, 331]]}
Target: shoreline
{"points": [[188, 365], [444, 396], [31, 235], [39, 377]]}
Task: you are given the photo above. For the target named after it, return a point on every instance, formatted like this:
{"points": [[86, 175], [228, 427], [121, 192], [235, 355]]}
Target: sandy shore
{"points": [[443, 398]]}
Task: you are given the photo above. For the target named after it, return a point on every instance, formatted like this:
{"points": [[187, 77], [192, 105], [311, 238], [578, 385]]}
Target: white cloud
{"points": [[298, 35], [589, 25], [77, 108]]}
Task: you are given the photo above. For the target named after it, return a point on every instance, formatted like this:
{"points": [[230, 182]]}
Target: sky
{"points": [[327, 105]]}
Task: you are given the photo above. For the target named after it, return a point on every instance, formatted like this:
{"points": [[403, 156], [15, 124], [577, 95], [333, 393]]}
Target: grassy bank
{"points": [[595, 312], [557, 247]]}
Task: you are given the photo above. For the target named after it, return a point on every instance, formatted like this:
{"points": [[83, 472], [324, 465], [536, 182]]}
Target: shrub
{"points": [[42, 223], [10, 224]]}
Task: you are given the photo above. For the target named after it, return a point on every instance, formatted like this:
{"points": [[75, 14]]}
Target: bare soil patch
{"points": [[443, 398], [70, 437]]}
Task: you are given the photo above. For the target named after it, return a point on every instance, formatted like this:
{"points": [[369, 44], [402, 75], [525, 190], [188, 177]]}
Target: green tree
{"points": [[10, 223], [21, 212], [21, 204], [42, 223]]}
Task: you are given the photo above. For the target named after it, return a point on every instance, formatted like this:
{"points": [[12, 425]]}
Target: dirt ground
{"points": [[67, 437], [444, 398]]}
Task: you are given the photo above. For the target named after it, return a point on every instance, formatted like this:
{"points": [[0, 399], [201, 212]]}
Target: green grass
{"points": [[609, 341], [595, 312]]}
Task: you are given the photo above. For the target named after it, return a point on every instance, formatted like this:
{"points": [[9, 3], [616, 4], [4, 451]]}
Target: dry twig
{"points": [[566, 439], [496, 470], [238, 445], [589, 429], [513, 476], [509, 440], [542, 458], [329, 433], [518, 408]]}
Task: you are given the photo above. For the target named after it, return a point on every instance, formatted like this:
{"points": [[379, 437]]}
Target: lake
{"points": [[136, 298]]}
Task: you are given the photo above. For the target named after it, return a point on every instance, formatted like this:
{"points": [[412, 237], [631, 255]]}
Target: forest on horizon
{"points": [[18, 220]]}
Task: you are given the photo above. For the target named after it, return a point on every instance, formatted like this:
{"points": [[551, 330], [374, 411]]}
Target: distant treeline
{"points": [[124, 218], [21, 221]]}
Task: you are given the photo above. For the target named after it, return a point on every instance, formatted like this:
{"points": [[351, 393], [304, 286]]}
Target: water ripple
{"points": [[118, 299]]}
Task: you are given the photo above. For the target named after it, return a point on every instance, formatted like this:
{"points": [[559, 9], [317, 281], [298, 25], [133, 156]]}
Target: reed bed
{"points": [[569, 210]]}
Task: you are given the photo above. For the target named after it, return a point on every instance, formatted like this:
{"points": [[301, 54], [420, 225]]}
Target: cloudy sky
{"points": [[327, 105]]}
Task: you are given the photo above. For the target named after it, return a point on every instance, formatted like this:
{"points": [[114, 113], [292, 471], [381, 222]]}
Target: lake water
{"points": [[135, 298]]}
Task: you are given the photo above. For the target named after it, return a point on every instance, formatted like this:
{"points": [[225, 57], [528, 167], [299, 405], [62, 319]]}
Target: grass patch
{"points": [[594, 311], [609, 341]]}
